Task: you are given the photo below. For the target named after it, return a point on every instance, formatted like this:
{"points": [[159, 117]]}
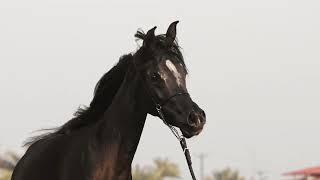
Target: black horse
{"points": [[100, 142]]}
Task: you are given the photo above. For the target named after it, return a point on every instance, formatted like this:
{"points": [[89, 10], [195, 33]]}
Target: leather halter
{"points": [[175, 132]]}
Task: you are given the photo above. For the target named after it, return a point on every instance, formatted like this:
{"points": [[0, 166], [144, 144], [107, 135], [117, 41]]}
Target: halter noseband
{"points": [[169, 98]]}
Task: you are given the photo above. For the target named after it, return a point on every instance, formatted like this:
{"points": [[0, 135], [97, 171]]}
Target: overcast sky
{"points": [[254, 67]]}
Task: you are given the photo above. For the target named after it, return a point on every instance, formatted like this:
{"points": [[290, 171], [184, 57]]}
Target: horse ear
{"points": [[171, 33], [149, 36]]}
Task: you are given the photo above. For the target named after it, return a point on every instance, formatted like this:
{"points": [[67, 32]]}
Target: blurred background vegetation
{"points": [[160, 169], [8, 161], [225, 174]]}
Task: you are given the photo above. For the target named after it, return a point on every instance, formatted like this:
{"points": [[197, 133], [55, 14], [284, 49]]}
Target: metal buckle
{"points": [[158, 107]]}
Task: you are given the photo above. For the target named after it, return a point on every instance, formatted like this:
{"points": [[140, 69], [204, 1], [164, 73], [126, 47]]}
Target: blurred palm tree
{"points": [[5, 175], [225, 174], [7, 163], [162, 168]]}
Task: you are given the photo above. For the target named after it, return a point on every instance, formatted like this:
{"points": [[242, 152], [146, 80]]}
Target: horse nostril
{"points": [[192, 119]]}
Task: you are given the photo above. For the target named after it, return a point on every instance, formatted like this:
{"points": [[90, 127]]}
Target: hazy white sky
{"points": [[254, 67]]}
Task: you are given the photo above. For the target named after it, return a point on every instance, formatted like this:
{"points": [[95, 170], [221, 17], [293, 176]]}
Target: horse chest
{"points": [[111, 174], [112, 166]]}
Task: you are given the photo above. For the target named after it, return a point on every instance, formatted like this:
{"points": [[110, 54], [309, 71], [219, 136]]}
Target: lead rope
{"points": [[181, 139]]}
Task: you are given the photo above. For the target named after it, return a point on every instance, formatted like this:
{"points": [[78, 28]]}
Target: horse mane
{"points": [[104, 92]]}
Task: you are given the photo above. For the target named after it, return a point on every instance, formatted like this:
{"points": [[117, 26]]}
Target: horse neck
{"points": [[121, 126]]}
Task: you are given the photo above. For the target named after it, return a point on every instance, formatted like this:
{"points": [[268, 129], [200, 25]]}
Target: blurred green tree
{"points": [[7, 163], [225, 174], [162, 168], [5, 175]]}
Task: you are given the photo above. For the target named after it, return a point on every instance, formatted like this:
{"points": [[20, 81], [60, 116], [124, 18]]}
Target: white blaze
{"points": [[174, 70]]}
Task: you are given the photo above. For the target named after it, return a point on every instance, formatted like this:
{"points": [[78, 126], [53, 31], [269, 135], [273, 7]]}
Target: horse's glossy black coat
{"points": [[100, 142]]}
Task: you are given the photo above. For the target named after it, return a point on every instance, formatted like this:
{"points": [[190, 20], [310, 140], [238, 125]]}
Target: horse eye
{"points": [[155, 77]]}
